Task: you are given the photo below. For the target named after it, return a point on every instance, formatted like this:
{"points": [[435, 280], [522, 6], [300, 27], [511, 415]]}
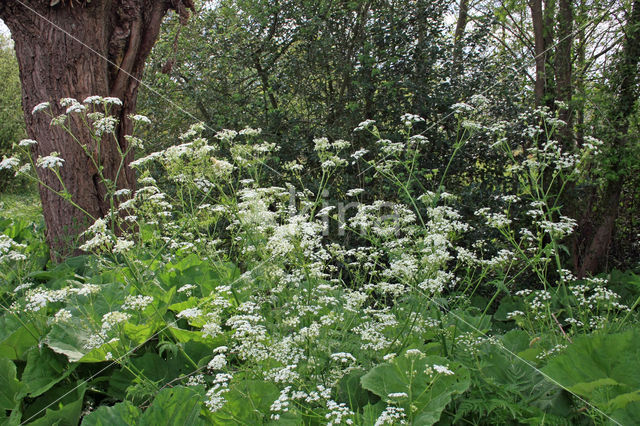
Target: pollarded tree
{"points": [[73, 49]]}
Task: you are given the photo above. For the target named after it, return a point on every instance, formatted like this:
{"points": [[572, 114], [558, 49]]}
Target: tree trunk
{"points": [[539, 49], [563, 68], [548, 30], [77, 50], [461, 25]]}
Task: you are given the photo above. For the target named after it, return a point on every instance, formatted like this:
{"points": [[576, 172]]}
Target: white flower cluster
{"points": [[101, 239], [51, 161], [410, 119], [111, 319], [10, 250], [215, 399], [364, 125], [218, 362], [392, 416], [338, 414], [137, 303], [38, 298], [9, 163]]}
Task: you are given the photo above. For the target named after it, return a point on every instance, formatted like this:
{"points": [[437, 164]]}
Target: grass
{"points": [[21, 205]]}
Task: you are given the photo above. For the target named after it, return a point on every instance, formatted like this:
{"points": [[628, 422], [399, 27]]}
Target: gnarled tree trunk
{"points": [[78, 49]]}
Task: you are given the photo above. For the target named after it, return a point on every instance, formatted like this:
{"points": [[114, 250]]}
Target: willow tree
{"points": [[75, 49]]}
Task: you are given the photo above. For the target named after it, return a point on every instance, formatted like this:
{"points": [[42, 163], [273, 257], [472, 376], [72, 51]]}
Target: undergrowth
{"points": [[207, 296]]}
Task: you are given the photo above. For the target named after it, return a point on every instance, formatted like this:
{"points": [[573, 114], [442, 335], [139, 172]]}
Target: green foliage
{"points": [[248, 402], [507, 387], [422, 385], [121, 414], [605, 370], [11, 386], [225, 302], [226, 290], [12, 127]]}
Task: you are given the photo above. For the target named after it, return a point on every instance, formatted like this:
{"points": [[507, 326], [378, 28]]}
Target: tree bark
{"points": [[76, 50], [539, 49], [563, 71], [548, 29], [461, 25]]}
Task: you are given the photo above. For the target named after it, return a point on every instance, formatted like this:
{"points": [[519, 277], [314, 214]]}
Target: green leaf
{"points": [[604, 369], [16, 337], [70, 339], [10, 386], [61, 406], [248, 402], [350, 390], [174, 406], [122, 414], [44, 369], [427, 393], [370, 413]]}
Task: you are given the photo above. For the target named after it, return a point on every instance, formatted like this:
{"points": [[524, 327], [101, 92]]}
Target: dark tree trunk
{"points": [[625, 85], [539, 49], [548, 29], [77, 50], [563, 71], [461, 25]]}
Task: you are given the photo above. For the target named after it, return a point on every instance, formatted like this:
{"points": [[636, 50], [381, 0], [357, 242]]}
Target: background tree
{"points": [[11, 119], [74, 50]]}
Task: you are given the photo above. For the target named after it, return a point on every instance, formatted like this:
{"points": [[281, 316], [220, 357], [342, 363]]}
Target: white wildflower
{"points": [[27, 142], [111, 319], [113, 101], [9, 163], [40, 107], [441, 369], [140, 118], [51, 161], [122, 245], [137, 303], [217, 363]]}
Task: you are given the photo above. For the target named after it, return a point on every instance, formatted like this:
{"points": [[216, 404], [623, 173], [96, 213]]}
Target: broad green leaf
{"points": [[16, 337], [43, 370], [69, 339], [61, 406], [350, 390], [139, 333], [10, 386], [428, 392], [604, 369], [174, 406], [121, 414], [248, 402]]}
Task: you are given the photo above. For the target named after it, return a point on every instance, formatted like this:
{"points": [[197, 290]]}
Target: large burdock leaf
{"points": [[44, 369], [16, 337], [422, 385], [605, 370], [62, 405], [122, 414], [247, 402], [175, 406], [9, 385]]}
